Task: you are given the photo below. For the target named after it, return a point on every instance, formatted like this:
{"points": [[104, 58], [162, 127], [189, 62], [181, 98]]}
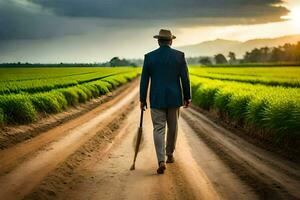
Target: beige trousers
{"points": [[161, 118]]}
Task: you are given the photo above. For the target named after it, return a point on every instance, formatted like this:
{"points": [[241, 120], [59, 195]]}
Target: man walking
{"points": [[167, 71]]}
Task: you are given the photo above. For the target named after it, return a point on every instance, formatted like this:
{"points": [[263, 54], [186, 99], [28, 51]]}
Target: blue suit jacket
{"points": [[167, 71]]}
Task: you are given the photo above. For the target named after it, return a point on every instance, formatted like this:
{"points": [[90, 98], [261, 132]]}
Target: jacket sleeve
{"points": [[144, 80], [185, 80]]}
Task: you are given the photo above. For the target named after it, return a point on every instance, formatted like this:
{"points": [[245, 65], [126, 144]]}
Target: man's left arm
{"points": [[185, 80]]}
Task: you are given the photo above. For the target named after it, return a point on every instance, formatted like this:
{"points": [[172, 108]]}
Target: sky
{"points": [[54, 31]]}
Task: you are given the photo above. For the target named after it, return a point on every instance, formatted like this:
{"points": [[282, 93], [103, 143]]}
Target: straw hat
{"points": [[165, 34]]}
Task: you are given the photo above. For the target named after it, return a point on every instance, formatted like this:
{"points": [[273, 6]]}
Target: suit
{"points": [[168, 72]]}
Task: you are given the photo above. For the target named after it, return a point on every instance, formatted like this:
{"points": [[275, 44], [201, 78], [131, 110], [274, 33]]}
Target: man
{"points": [[167, 71]]}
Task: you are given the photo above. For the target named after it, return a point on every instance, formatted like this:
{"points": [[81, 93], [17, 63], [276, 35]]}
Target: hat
{"points": [[165, 34]]}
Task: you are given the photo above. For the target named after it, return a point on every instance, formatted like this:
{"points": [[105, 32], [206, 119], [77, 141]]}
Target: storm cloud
{"points": [[21, 20], [253, 11], [29, 19]]}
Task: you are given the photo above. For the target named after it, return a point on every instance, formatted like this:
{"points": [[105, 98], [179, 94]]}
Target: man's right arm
{"points": [[144, 83]]}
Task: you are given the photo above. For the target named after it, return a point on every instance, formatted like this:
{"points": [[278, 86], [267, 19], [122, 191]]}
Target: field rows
{"points": [[273, 76], [273, 109], [24, 107], [46, 79]]}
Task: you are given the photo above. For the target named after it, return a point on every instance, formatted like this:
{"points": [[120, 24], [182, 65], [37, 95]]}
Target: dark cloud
{"points": [[40, 19], [236, 11], [19, 20]]}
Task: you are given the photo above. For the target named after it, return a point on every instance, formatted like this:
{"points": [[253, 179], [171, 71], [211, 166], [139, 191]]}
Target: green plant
{"points": [[1, 116], [266, 107], [272, 76], [17, 109], [71, 96], [45, 102], [58, 91], [82, 95], [103, 87]]}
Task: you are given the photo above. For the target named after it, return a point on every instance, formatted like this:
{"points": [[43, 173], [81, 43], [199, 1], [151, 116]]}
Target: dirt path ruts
{"points": [[198, 173], [271, 176], [112, 178]]}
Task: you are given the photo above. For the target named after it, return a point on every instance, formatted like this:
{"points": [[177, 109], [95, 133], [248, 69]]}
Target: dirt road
{"points": [[182, 180], [211, 162]]}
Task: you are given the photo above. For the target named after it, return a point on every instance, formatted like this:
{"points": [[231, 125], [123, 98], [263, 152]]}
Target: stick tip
{"points": [[132, 167]]}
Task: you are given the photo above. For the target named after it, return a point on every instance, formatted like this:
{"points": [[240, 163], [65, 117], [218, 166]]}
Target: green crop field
{"points": [[25, 92], [282, 76], [267, 99], [34, 80]]}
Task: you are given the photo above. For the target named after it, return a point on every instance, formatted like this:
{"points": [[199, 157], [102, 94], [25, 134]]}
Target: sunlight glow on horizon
{"points": [[294, 16], [291, 26], [195, 35], [187, 36]]}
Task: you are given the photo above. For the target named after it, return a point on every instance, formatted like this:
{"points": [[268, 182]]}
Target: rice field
{"points": [[273, 76], [264, 98], [25, 92], [267, 99], [32, 80]]}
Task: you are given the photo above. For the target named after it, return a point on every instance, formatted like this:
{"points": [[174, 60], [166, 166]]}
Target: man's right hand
{"points": [[187, 103], [143, 105]]}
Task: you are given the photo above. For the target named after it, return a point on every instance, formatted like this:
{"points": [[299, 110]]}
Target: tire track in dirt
{"points": [[271, 177], [190, 177], [112, 178]]}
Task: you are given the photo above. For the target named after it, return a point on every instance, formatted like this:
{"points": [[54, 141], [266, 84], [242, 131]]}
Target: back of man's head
{"points": [[164, 42]]}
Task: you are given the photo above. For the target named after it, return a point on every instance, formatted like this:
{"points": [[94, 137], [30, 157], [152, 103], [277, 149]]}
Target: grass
{"points": [[48, 102], [45, 79], [273, 76], [18, 108], [1, 116], [272, 108], [23, 107]]}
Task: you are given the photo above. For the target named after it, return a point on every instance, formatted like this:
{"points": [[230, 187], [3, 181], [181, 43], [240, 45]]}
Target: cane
{"points": [[138, 139]]}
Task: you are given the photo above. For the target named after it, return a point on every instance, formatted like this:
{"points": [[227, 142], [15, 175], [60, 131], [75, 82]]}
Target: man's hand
{"points": [[143, 105], [187, 103]]}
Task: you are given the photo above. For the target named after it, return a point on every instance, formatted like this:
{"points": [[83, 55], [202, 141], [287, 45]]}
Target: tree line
{"points": [[287, 53], [114, 62]]}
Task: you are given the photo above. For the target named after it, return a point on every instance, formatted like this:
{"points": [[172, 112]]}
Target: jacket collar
{"points": [[165, 46]]}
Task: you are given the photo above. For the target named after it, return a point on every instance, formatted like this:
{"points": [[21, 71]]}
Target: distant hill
{"points": [[210, 48]]}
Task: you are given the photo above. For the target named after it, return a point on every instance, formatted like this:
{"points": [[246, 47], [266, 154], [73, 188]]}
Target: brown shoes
{"points": [[161, 168], [170, 159]]}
